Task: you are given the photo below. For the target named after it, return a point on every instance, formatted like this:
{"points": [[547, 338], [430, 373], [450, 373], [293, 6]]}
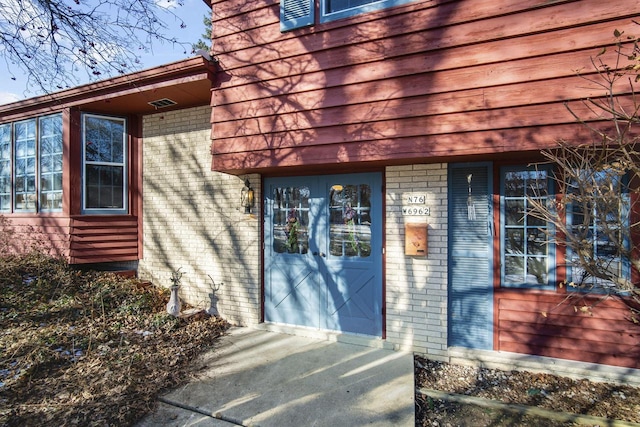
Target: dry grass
{"points": [[88, 349]]}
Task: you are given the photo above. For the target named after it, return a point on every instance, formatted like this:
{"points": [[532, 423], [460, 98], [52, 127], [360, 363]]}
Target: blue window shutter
{"points": [[296, 14], [470, 257]]}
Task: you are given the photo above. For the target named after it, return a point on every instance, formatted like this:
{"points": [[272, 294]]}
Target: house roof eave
{"points": [[188, 81]]}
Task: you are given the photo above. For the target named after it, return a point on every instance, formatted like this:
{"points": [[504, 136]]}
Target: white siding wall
{"points": [[416, 287], [193, 221]]}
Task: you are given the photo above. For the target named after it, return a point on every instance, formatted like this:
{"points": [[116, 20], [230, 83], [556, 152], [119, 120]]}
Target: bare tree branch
{"points": [[597, 184], [58, 43]]}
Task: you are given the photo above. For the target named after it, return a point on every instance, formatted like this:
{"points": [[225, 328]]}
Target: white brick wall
{"points": [[416, 287], [193, 220]]}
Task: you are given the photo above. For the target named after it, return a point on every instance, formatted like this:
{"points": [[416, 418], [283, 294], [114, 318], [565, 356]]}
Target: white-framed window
{"points": [[5, 167], [527, 255], [50, 170], [301, 13], [104, 164], [24, 184], [31, 165]]}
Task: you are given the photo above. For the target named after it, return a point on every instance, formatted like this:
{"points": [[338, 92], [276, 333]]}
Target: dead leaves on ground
{"points": [[90, 349]]}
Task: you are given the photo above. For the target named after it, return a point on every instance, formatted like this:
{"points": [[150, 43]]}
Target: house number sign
{"points": [[413, 204]]}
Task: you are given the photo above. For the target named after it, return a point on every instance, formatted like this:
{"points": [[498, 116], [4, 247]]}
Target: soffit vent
{"points": [[162, 103]]}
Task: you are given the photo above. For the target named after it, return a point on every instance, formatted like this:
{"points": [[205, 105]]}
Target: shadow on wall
{"points": [[193, 218]]}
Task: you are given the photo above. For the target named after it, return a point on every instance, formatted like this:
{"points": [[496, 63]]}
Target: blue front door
{"points": [[323, 252]]}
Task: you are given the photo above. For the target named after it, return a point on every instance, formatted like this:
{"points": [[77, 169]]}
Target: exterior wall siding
{"points": [[603, 334], [21, 234], [193, 221], [430, 79], [100, 239], [416, 287]]}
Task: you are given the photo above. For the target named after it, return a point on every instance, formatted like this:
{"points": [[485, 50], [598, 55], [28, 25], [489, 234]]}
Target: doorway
{"points": [[323, 252]]}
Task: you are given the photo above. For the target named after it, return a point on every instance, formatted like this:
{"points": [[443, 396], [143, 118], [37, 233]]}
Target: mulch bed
{"points": [[612, 401]]}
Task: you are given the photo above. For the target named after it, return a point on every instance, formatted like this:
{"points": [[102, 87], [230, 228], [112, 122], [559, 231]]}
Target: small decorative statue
{"points": [[174, 306]]}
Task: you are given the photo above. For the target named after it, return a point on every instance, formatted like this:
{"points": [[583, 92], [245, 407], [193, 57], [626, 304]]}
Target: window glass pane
{"points": [[537, 183], [104, 139], [513, 184], [514, 243], [338, 5], [291, 220], [104, 187], [350, 220], [513, 270], [25, 161], [536, 242], [514, 212], [105, 171], [536, 271], [5, 168]]}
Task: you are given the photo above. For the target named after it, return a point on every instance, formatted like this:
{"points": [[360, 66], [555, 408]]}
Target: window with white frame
{"points": [[50, 137], [31, 165], [527, 255], [24, 134], [104, 141], [5, 167]]}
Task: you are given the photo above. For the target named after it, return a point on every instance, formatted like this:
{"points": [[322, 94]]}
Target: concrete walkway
{"points": [[260, 378]]}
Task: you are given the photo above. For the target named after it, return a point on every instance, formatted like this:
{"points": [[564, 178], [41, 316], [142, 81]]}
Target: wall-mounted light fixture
{"points": [[247, 197]]}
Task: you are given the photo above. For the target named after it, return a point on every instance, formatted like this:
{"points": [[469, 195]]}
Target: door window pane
{"points": [[291, 220], [350, 220]]}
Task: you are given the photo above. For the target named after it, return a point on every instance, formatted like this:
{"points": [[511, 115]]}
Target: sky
{"points": [[191, 12]]}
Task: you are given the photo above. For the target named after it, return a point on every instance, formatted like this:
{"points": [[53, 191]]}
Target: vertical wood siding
{"points": [[431, 79]]}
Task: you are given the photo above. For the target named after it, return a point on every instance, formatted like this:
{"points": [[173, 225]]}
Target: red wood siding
{"points": [[428, 80], [103, 239], [81, 240], [25, 232], [603, 335]]}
